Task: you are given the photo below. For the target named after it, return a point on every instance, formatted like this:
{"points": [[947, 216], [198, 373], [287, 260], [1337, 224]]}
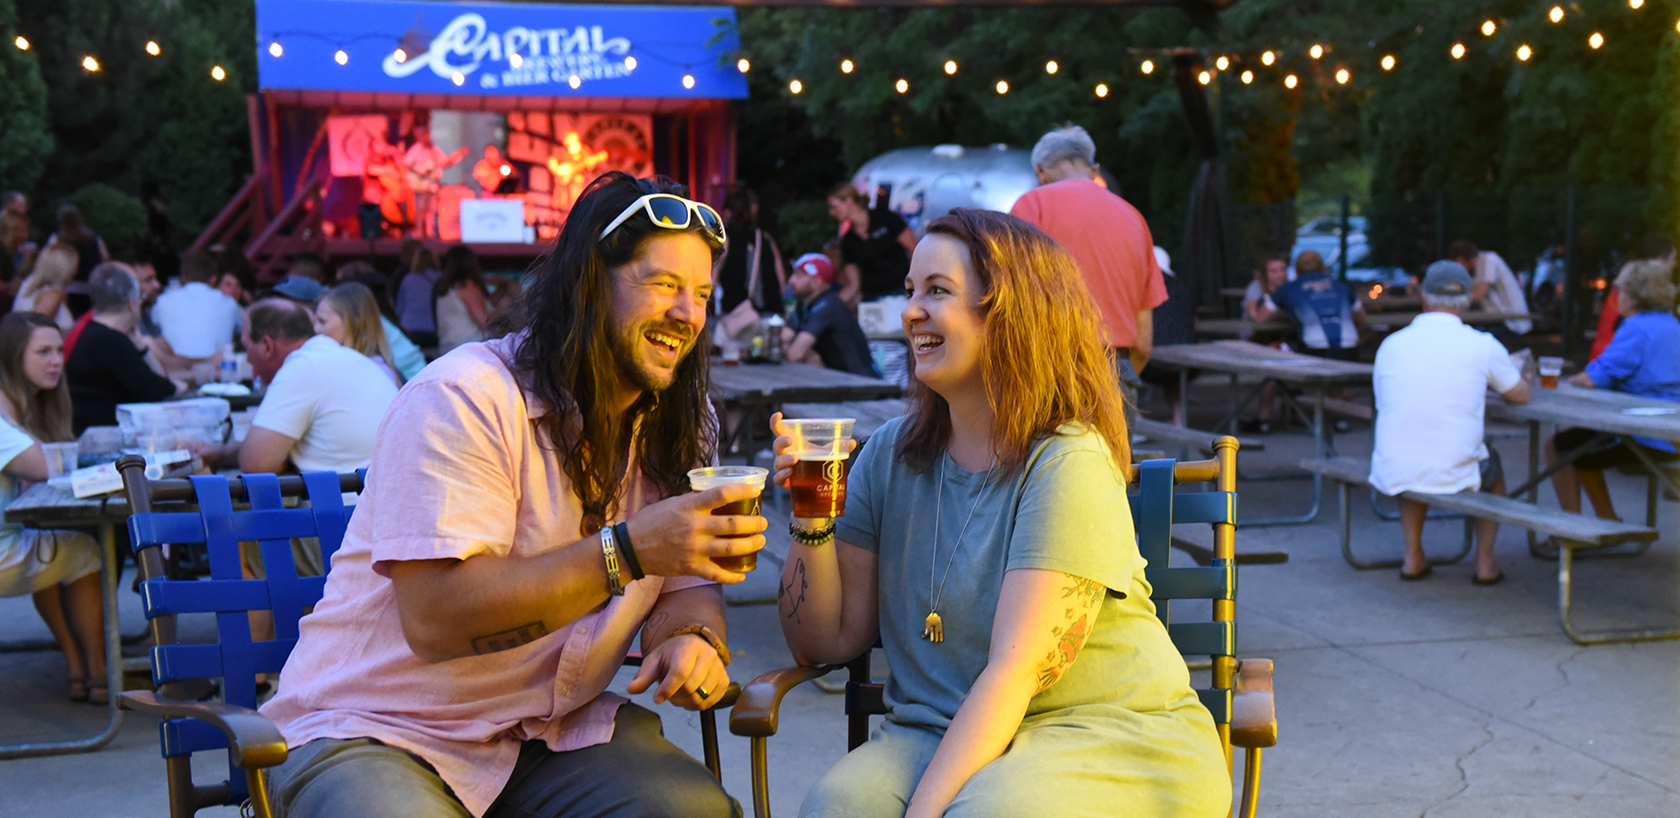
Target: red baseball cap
{"points": [[815, 265]]}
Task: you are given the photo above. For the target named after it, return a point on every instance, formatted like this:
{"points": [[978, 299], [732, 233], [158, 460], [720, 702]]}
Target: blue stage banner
{"points": [[502, 49]]}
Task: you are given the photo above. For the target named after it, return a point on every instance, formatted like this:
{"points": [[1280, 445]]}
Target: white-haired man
{"points": [[1107, 237], [1431, 380]]}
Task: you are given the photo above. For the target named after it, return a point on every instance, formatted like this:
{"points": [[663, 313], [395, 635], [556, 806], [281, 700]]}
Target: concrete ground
{"points": [[1433, 698]]}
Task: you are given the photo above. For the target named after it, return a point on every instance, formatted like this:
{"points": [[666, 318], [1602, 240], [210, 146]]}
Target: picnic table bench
{"points": [[1573, 532], [1162, 432]]}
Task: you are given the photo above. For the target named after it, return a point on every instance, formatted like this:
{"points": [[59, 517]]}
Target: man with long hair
{"points": [[525, 517]]}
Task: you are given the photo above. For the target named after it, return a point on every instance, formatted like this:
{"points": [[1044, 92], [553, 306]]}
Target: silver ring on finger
{"points": [[701, 692]]}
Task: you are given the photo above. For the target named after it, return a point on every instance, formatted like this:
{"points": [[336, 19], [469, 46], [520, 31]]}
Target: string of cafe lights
{"points": [[1223, 63]]}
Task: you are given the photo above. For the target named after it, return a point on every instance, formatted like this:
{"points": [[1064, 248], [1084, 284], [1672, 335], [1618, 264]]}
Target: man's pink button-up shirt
{"points": [[460, 468]]}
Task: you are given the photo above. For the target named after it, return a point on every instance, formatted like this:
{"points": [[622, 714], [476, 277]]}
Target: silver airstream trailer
{"points": [[923, 184]]}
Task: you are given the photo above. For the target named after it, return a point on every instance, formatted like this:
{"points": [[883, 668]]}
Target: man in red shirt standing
{"points": [[1107, 237]]}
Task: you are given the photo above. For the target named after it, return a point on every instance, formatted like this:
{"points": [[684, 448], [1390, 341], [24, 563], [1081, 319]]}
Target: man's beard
{"points": [[625, 345]]}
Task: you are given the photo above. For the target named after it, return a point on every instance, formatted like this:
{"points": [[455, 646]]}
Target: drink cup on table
{"points": [[1550, 369], [822, 448], [61, 461], [713, 476]]}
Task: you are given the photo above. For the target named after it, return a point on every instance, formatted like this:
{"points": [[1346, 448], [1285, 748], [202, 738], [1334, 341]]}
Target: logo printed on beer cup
{"points": [[833, 471]]}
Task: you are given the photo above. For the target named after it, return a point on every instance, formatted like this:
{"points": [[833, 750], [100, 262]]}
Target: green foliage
{"points": [[155, 126], [121, 218], [24, 138]]}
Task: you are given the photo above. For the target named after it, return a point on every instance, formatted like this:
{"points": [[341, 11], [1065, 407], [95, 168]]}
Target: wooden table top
{"points": [[1237, 327], [1395, 320], [235, 402], [45, 506], [1243, 357], [1601, 409], [787, 383]]}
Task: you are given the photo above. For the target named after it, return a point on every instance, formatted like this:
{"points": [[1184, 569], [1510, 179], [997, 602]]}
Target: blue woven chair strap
{"points": [[1204, 638], [1216, 582], [1218, 702]]}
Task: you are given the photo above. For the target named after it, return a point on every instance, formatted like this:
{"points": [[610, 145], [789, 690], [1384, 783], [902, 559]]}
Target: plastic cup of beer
{"points": [[61, 461], [822, 448], [713, 476], [1550, 369]]}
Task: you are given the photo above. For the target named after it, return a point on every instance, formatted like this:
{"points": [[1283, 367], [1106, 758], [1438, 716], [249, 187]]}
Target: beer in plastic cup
{"points": [[818, 484], [1550, 369], [712, 476]]}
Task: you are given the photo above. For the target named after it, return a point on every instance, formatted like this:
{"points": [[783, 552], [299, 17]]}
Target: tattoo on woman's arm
{"points": [[510, 639], [1084, 600], [785, 594]]}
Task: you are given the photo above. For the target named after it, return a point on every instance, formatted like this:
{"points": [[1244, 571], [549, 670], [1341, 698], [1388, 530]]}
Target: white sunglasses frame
{"points": [[644, 203]]}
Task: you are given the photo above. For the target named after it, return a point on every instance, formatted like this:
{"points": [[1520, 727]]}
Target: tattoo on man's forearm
{"points": [[1084, 602], [510, 639], [785, 594], [654, 631]]}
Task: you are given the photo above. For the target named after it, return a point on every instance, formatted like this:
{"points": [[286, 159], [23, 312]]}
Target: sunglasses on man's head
{"points": [[672, 212]]}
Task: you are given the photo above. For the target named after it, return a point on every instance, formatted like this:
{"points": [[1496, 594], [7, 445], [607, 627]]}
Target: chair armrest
{"points": [[254, 740], [1253, 714], [756, 710]]}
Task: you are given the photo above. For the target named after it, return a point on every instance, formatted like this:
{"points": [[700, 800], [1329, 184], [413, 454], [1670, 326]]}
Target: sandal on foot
{"points": [[1427, 570], [78, 688], [1498, 577], [1546, 549], [99, 692]]}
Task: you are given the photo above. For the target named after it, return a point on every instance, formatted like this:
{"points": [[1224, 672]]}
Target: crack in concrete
{"points": [[1562, 673], [1463, 776]]}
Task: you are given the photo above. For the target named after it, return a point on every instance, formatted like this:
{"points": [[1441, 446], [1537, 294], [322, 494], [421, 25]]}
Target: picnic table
{"points": [[47, 506], [1609, 413], [1313, 375], [753, 391], [235, 402], [1237, 327]]}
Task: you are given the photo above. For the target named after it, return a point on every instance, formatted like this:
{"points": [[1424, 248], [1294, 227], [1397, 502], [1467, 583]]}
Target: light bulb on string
{"points": [[1148, 67], [400, 56], [341, 58], [1488, 28], [1556, 14], [90, 64], [629, 63], [688, 81], [1388, 62], [1002, 87], [1102, 90], [154, 49], [1268, 58], [1458, 51], [516, 59], [1524, 52], [903, 86], [950, 66], [742, 65], [458, 78], [575, 81], [1222, 63], [274, 49], [1596, 40], [1051, 67], [21, 43], [1247, 77], [846, 66], [218, 74], [1316, 51], [1204, 78], [1342, 76], [1290, 81], [795, 86]]}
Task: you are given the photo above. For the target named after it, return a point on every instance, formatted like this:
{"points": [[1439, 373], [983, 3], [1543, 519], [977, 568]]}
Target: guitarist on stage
{"points": [[425, 163]]}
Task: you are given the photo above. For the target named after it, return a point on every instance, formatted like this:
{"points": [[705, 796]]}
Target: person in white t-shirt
{"points": [[196, 319], [322, 407], [1496, 288], [1431, 380]]}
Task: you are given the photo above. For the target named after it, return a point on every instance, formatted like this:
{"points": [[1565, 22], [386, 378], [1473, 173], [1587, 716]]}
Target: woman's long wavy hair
{"points": [[43, 413], [359, 311], [566, 352], [1045, 362]]}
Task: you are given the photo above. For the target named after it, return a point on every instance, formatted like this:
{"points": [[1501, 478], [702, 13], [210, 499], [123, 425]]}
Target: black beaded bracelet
{"points": [[812, 537], [621, 537]]}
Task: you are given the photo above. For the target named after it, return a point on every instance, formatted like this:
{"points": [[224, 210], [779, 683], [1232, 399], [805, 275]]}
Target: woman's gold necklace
{"points": [[933, 629]]}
